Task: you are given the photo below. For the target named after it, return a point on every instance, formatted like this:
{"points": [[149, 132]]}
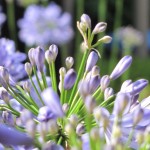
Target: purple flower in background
{"points": [[12, 60], [2, 17], [45, 25]]}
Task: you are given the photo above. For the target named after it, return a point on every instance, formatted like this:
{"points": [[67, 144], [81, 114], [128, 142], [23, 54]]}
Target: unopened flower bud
{"points": [[69, 62], [106, 39], [90, 103], [74, 120], [95, 71], [8, 118], [4, 76], [137, 116], [91, 61], [4, 96], [83, 26], [108, 93], [122, 104], [105, 81], [121, 67], [94, 133], [86, 20], [100, 27], [31, 55], [69, 79], [69, 129], [65, 107], [27, 86], [28, 68], [40, 58], [62, 71], [30, 127], [80, 129]]}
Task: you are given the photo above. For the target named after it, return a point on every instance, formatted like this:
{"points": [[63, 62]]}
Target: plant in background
{"points": [[81, 110], [44, 25], [2, 18]]}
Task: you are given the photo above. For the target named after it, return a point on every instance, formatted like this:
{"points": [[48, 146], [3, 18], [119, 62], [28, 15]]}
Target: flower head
{"points": [[45, 25]]}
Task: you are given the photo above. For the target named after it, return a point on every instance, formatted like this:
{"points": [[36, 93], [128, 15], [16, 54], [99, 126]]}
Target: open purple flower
{"points": [[45, 25], [11, 59]]}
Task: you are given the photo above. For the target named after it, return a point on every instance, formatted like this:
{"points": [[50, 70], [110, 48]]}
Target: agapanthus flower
{"points": [[81, 110], [44, 25], [11, 59], [128, 36]]}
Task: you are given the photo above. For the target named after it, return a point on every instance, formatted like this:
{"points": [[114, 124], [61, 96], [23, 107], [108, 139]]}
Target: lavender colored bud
{"points": [[51, 99], [94, 83], [86, 20], [121, 67], [106, 39], [30, 127], [8, 118], [69, 79], [10, 136], [4, 96], [95, 71], [54, 51], [45, 114], [100, 27], [125, 84], [108, 93], [69, 62], [80, 129], [105, 81], [4, 75], [122, 104], [83, 88], [91, 61], [28, 68], [90, 103], [137, 116], [65, 107], [27, 86], [39, 58], [31, 55], [74, 120], [137, 86]]}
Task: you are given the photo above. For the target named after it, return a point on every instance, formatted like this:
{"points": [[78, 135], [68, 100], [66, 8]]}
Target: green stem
{"points": [[54, 76], [44, 80]]}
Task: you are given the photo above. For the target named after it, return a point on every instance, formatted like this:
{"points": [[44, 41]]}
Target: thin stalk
{"points": [[37, 78], [44, 80], [51, 75], [54, 76], [36, 90]]}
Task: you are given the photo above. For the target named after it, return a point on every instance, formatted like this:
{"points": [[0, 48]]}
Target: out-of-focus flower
{"points": [[2, 17], [45, 25], [129, 36], [12, 60]]}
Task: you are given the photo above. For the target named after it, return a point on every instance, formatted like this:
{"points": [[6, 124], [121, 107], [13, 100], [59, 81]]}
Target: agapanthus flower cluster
{"points": [[12, 59], [45, 25], [81, 111], [129, 37]]}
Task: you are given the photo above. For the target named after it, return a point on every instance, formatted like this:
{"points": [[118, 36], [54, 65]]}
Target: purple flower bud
{"points": [[100, 27], [125, 84], [54, 49], [108, 93], [39, 58], [94, 83], [122, 104], [90, 103], [45, 114], [121, 67], [86, 20], [105, 80], [91, 61], [31, 55], [84, 88], [27, 86], [4, 95], [95, 71], [51, 99], [74, 120], [28, 68], [10, 136], [69, 62], [69, 79], [137, 116], [137, 86], [80, 129], [8, 118], [65, 107], [4, 77]]}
